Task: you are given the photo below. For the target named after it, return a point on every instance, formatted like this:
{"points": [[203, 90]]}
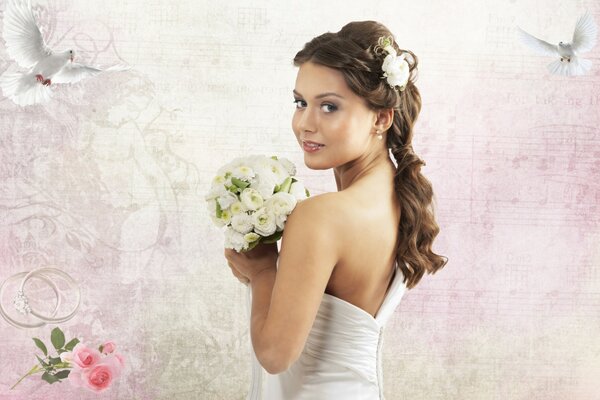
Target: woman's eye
{"points": [[328, 107], [333, 108], [296, 101]]}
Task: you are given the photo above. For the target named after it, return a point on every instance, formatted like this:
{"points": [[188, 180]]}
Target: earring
{"points": [[379, 136]]}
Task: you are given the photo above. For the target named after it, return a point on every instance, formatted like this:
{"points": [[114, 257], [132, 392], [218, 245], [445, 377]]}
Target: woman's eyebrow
{"points": [[322, 94]]}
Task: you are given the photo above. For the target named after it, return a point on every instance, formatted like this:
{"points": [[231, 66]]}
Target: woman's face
{"points": [[329, 113]]}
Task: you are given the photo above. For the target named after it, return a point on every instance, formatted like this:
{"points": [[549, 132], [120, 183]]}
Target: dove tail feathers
{"points": [[577, 66], [24, 89]]}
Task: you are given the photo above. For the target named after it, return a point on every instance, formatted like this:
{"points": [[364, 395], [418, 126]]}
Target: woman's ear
{"points": [[385, 118]]}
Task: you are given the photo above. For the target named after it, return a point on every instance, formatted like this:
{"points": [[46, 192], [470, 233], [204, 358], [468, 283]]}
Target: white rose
{"points": [[216, 191], [251, 198], [389, 59], [264, 222], [242, 223], [298, 191], [273, 167], [265, 182], [288, 165], [280, 221], [243, 172], [390, 50], [230, 166], [227, 199], [281, 203], [398, 72], [237, 208], [225, 216], [234, 240], [251, 237]]}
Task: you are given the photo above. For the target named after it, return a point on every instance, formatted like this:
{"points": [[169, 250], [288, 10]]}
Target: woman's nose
{"points": [[307, 121]]}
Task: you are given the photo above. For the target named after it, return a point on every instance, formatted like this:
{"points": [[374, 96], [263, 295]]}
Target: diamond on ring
{"points": [[21, 303]]}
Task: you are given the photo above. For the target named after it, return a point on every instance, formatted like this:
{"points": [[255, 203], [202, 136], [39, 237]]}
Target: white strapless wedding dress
{"points": [[342, 355]]}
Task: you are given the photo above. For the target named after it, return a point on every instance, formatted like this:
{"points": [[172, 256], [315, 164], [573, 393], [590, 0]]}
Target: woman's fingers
{"points": [[236, 273]]}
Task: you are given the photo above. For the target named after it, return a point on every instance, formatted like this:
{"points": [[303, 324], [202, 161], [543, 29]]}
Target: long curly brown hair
{"points": [[354, 52]]}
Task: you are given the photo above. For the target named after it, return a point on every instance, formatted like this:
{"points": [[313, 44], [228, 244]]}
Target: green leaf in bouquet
{"points": [[219, 210], [307, 192], [274, 157], [41, 345], [286, 185], [233, 189], [62, 374], [227, 175], [272, 238], [49, 378], [240, 183], [71, 345], [57, 337], [277, 188]]}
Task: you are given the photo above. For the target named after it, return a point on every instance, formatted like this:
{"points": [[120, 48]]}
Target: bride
{"points": [[320, 304]]}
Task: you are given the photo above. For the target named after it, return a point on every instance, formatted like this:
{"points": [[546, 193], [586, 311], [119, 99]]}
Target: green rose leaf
{"points": [[69, 346], [42, 362], [54, 360], [240, 183], [41, 345], [49, 378], [62, 374], [57, 337]]}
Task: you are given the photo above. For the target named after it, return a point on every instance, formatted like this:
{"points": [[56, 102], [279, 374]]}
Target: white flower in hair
{"points": [[396, 69]]}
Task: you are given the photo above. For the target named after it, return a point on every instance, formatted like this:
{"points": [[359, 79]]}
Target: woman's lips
{"points": [[311, 147]]}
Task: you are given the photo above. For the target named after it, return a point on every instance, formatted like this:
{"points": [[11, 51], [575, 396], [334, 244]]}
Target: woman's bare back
{"points": [[369, 228]]}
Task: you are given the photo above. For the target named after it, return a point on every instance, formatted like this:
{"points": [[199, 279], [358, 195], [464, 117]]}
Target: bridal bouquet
{"points": [[252, 197]]}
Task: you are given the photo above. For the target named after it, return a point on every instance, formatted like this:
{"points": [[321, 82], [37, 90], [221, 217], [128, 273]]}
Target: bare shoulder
{"points": [[316, 217]]}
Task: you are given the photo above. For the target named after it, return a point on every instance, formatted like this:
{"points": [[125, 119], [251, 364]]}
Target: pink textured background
{"points": [[107, 180]]}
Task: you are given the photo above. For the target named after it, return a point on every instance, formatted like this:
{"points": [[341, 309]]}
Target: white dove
{"points": [[584, 39], [24, 44]]}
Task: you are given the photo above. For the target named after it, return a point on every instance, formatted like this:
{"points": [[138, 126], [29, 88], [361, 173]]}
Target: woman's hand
{"points": [[247, 265]]}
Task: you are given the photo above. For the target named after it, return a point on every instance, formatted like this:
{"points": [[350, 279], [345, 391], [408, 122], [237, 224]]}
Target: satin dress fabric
{"points": [[342, 355]]}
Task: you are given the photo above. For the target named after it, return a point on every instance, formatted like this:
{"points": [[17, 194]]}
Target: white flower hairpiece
{"points": [[395, 67]]}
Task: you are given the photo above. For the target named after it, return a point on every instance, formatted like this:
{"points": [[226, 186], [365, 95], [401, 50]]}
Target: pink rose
{"points": [[84, 357], [108, 347], [100, 376]]}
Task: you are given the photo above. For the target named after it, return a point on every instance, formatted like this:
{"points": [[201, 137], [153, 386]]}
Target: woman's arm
{"points": [[283, 317]]}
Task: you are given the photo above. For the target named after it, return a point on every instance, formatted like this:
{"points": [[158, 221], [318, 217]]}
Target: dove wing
{"points": [[74, 72], [584, 37], [538, 45], [24, 42]]}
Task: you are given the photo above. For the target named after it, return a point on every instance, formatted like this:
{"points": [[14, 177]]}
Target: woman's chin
{"points": [[312, 164]]}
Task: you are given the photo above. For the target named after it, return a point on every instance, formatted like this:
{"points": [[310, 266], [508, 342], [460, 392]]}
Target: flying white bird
{"points": [[24, 44], [584, 39]]}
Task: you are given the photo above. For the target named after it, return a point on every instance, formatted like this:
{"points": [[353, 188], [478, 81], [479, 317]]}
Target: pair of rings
{"points": [[22, 304]]}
